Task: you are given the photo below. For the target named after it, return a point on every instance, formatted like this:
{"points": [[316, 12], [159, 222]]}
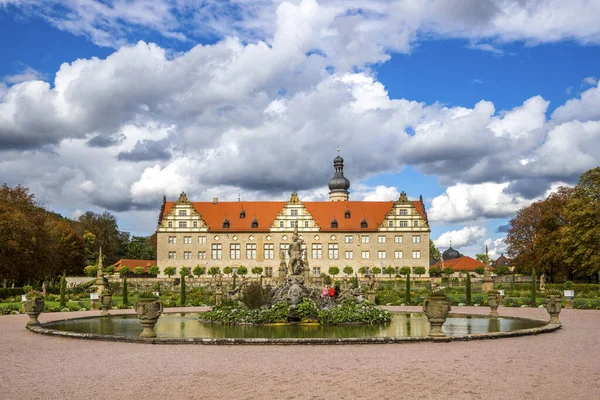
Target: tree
{"points": [[198, 271], [139, 270], [448, 271], [468, 288], [376, 270], [405, 271], [257, 271], [434, 253], [110, 270], [362, 271], [407, 290], [581, 234], [63, 291], [533, 285], [333, 271], [125, 292], [389, 270], [169, 271], [227, 270], [434, 272], [154, 270], [91, 271], [482, 258], [105, 232], [501, 270], [348, 270], [419, 271], [242, 270], [183, 273], [480, 270], [214, 271], [124, 271], [139, 248]]}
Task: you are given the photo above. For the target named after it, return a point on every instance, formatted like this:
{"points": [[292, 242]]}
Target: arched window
{"points": [[347, 214], [226, 224], [254, 223], [334, 223], [363, 223], [242, 214]]}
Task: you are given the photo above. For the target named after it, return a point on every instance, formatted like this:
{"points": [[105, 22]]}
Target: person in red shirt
{"points": [[331, 291]]}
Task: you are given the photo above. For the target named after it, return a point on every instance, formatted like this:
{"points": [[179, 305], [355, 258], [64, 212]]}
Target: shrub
{"points": [[468, 289], [139, 270], [569, 285], [306, 309], [183, 299], [533, 287], [227, 270], [154, 270], [255, 295], [376, 270], [213, 271], [198, 271], [5, 293], [326, 279], [352, 312], [419, 271], [257, 271], [125, 292], [169, 271], [362, 271], [63, 290], [90, 270], [242, 270], [480, 270], [434, 272]]}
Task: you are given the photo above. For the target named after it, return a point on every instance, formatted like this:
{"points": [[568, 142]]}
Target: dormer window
{"points": [[226, 224], [182, 213], [334, 223], [347, 214], [254, 223], [242, 214], [363, 223]]}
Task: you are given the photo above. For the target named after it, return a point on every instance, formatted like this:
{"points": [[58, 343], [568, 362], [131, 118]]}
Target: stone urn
{"points": [[553, 305], [436, 307], [148, 311], [105, 300], [33, 308], [494, 302]]}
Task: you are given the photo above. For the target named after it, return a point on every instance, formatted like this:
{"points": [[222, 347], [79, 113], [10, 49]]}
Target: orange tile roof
{"points": [[126, 262], [465, 263], [266, 212]]}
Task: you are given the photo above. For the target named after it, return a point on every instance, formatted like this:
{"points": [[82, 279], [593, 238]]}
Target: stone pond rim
{"points": [[42, 329]]}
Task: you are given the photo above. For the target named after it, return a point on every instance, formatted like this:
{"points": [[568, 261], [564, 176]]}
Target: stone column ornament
{"points": [[494, 302], [437, 307], [148, 311], [105, 300], [553, 306]]}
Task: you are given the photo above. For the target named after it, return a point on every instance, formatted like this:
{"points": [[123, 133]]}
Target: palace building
{"points": [[337, 233]]}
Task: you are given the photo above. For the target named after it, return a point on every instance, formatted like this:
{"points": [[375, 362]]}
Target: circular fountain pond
{"points": [[187, 328]]}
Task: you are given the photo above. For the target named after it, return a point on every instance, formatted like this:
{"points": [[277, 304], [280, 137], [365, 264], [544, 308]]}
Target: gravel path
{"points": [[559, 365]]}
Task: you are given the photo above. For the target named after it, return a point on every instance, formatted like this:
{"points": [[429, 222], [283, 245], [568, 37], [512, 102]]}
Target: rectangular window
{"points": [[316, 271], [349, 255], [217, 251], [403, 211], [187, 239], [364, 239], [172, 239], [268, 251], [416, 254], [403, 224], [416, 239], [202, 239], [365, 255], [281, 224], [349, 239], [381, 239], [416, 224], [195, 224], [234, 251], [294, 213], [170, 224], [292, 224], [182, 224], [333, 251], [251, 251], [397, 254], [187, 255], [268, 271], [397, 239], [306, 224], [317, 250], [283, 249], [182, 213], [381, 255], [390, 224], [201, 255], [172, 255]]}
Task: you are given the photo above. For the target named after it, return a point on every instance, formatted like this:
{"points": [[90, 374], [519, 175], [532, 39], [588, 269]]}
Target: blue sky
{"points": [[480, 107]]}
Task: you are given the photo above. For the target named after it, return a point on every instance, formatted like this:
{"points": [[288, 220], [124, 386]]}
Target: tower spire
{"points": [[339, 184]]}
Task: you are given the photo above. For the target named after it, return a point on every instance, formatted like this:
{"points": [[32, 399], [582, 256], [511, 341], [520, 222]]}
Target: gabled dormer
{"points": [[405, 215], [181, 216], [294, 212]]}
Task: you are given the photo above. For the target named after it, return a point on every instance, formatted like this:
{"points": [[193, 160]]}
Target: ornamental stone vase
{"points": [[437, 308], [106, 300], [553, 304], [148, 311], [33, 308], [494, 302]]}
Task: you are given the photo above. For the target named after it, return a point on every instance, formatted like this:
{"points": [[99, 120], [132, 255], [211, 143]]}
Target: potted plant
{"points": [[493, 302], [553, 305], [437, 307], [33, 306], [148, 309]]}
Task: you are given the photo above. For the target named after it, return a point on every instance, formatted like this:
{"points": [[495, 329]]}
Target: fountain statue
{"points": [[295, 265]]}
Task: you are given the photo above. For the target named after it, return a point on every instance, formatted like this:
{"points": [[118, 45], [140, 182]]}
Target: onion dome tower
{"points": [[339, 184], [450, 254]]}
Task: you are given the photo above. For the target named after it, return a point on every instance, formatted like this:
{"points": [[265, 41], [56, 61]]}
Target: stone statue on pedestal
{"points": [[295, 265]]}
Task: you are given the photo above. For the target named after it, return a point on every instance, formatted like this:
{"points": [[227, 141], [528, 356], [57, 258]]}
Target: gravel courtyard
{"points": [[561, 365]]}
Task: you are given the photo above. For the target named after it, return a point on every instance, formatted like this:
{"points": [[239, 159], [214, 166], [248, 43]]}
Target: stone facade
{"points": [[354, 233]]}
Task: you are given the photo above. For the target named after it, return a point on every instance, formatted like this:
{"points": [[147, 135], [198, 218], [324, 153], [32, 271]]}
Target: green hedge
{"points": [[5, 293]]}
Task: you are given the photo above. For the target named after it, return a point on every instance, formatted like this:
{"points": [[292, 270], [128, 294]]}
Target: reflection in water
{"points": [[187, 325]]}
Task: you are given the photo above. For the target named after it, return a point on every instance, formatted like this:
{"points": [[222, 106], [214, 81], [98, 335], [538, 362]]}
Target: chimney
{"points": [[215, 200]]}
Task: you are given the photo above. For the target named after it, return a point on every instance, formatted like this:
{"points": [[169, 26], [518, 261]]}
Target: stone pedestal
{"points": [[218, 297], [148, 311], [493, 302], [94, 304], [488, 284], [371, 296], [33, 308], [106, 300]]}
